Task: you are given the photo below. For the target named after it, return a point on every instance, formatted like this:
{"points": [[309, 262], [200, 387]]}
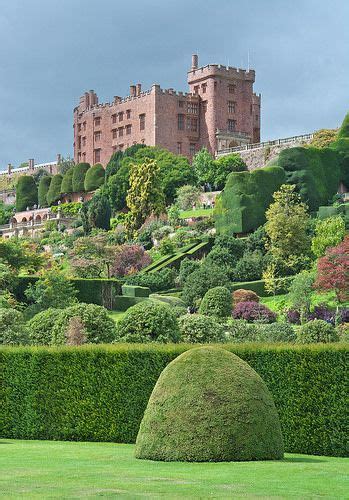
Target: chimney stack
{"points": [[9, 169], [133, 90], [138, 88], [31, 163], [194, 61], [59, 158]]}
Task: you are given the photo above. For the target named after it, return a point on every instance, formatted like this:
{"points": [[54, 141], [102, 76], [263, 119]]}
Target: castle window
{"points": [[84, 156], [128, 114], [231, 88], [181, 104], [179, 148], [97, 155], [256, 118], [121, 116], [84, 126], [204, 87], [192, 124], [231, 125], [180, 122], [250, 109], [121, 147], [128, 129], [192, 149], [121, 131], [204, 106], [196, 89], [114, 133], [97, 121], [215, 85], [83, 141], [142, 121], [193, 108], [114, 118], [98, 136], [231, 106], [79, 142], [79, 127]]}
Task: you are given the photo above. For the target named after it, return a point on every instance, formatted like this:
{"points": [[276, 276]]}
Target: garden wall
{"points": [[99, 393]]}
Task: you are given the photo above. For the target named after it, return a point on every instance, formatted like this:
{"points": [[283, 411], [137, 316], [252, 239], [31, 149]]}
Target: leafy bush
{"points": [[249, 267], [216, 302], [51, 290], [148, 322], [67, 181], [324, 313], [317, 331], [179, 311], [41, 325], [157, 282], [293, 316], [275, 332], [200, 281], [12, 328], [99, 326], [198, 408], [197, 328], [94, 177], [187, 196], [44, 186], [78, 180], [26, 193], [187, 267], [239, 330], [243, 295], [99, 393], [54, 191], [253, 311], [129, 259]]}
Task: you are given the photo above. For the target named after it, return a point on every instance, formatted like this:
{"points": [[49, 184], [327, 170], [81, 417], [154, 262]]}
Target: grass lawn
{"points": [[199, 212], [116, 315], [279, 302], [56, 469]]}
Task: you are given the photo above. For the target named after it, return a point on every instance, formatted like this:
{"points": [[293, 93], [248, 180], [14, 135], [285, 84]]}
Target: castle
{"points": [[219, 111]]}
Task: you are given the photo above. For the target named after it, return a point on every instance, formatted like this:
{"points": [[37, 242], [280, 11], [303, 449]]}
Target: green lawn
{"points": [[116, 315], [56, 469], [199, 212]]}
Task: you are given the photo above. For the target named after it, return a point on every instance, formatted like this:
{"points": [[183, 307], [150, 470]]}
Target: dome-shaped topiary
{"points": [[209, 405], [216, 302], [94, 177]]}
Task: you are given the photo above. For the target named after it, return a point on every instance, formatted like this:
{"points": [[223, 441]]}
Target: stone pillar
{"points": [[138, 88], [133, 90], [194, 61]]}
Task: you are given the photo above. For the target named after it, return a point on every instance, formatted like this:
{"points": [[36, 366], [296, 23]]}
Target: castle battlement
{"points": [[221, 70]]}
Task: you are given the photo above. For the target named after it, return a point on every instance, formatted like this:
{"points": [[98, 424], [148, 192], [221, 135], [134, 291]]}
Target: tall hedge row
{"points": [[43, 188], [99, 393], [241, 206], [103, 292], [79, 174], [67, 181], [26, 193], [54, 191], [94, 177]]}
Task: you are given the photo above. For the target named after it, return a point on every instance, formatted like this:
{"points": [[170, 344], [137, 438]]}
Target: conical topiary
{"points": [[210, 405]]}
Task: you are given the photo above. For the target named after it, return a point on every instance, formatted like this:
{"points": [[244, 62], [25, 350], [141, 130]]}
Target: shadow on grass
{"points": [[309, 460]]}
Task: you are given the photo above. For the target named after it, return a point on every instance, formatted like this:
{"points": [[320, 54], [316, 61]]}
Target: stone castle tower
{"points": [[219, 111]]}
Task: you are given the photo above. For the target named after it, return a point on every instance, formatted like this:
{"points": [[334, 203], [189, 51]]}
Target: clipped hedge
{"points": [[135, 291], [44, 186], [102, 292], [26, 193], [94, 177], [54, 191], [78, 180], [258, 286], [99, 393]]}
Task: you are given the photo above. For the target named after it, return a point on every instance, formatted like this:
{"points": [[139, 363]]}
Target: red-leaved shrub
{"points": [[242, 295], [129, 259], [253, 311]]}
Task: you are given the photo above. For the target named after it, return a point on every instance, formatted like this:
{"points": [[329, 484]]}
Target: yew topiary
{"points": [[94, 177], [216, 302], [210, 405]]}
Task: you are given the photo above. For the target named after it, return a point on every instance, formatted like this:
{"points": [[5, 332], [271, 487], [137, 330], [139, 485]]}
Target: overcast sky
{"points": [[51, 51]]}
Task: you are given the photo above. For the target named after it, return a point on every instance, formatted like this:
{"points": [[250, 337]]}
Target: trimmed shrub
{"points": [[54, 191], [317, 331], [197, 412], [242, 295], [99, 326], [157, 282], [187, 267], [324, 313], [79, 174], [276, 332], [12, 328], [293, 316], [239, 330], [67, 181], [253, 311], [99, 393], [26, 193], [249, 267], [216, 302], [148, 322], [242, 204], [200, 281], [41, 325], [197, 328], [179, 311], [94, 177], [44, 186]]}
